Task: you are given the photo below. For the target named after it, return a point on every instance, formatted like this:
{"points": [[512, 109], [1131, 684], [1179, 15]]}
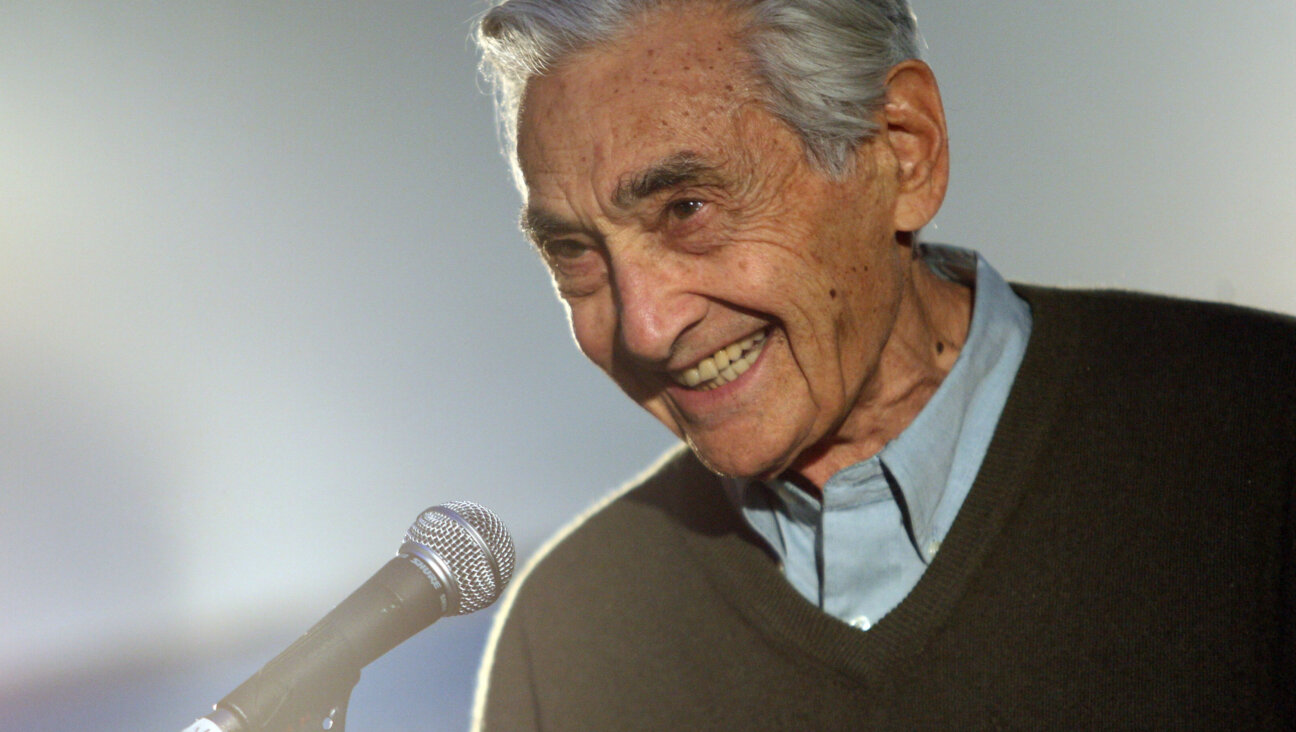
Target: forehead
{"points": [[669, 85]]}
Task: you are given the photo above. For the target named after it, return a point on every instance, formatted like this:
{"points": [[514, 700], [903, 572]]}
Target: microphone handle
{"points": [[311, 681]]}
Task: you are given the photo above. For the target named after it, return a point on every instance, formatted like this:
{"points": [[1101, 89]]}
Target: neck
{"points": [[930, 330]]}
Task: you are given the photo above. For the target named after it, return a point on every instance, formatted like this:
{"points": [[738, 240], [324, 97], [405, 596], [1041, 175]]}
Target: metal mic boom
{"points": [[456, 559]]}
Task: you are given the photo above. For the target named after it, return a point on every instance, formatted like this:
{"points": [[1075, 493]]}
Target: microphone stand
{"points": [[308, 686], [331, 717], [314, 700], [322, 710]]}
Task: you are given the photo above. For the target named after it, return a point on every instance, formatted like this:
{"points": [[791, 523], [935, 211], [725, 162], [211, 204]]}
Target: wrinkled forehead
{"points": [[673, 80]]}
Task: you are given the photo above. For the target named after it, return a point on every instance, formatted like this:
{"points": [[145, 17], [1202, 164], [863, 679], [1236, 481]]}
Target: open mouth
{"points": [[723, 366]]}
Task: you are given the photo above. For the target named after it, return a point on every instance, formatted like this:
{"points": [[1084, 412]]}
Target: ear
{"points": [[913, 121]]}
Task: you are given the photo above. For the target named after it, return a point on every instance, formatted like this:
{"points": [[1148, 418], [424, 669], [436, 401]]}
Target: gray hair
{"points": [[823, 63]]}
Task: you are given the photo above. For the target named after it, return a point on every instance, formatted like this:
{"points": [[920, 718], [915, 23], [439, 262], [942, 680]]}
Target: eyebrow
{"points": [[539, 225], [682, 167]]}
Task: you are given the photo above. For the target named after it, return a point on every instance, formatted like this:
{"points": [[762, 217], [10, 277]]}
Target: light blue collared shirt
{"points": [[858, 552]]}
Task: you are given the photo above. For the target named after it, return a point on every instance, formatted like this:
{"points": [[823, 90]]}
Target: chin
{"points": [[727, 464]]}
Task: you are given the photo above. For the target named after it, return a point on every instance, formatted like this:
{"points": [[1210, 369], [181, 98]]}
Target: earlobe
{"points": [[914, 126]]}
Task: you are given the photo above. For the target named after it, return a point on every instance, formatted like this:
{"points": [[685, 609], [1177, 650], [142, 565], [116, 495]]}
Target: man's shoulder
{"points": [[1124, 353], [628, 530], [1169, 334], [588, 592], [1134, 306]]}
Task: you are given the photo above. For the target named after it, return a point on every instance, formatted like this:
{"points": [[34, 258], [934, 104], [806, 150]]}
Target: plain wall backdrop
{"points": [[263, 298]]}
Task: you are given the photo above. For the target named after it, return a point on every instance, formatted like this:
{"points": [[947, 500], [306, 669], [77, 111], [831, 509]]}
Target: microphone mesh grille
{"points": [[470, 565]]}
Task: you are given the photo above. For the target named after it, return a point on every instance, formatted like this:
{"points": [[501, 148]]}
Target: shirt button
{"points": [[932, 547], [861, 622]]}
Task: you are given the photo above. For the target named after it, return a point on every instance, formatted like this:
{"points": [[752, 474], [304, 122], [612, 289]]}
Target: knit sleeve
{"points": [[1287, 644], [505, 688]]}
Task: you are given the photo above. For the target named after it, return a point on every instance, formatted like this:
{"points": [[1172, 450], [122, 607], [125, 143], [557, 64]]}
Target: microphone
{"points": [[456, 559]]}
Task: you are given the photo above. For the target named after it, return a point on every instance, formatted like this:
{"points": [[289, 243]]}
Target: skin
{"points": [[677, 216]]}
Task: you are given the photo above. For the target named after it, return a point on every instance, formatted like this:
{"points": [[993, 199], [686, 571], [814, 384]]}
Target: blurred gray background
{"points": [[262, 300]]}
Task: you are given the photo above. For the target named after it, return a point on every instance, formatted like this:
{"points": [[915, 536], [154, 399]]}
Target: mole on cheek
{"points": [[833, 293]]}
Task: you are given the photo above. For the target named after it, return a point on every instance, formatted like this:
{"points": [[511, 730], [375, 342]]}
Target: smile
{"points": [[723, 366]]}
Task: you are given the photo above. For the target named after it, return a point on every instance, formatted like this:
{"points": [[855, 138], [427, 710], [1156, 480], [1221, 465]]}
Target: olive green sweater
{"points": [[1125, 559]]}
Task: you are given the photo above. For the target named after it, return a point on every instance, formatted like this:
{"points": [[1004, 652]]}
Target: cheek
{"points": [[593, 325], [780, 272]]}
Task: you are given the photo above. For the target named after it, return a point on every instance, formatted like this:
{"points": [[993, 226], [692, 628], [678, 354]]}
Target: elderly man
{"points": [[913, 496]]}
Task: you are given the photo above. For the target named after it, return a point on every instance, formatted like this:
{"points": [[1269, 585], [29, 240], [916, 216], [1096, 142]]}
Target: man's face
{"points": [[734, 292]]}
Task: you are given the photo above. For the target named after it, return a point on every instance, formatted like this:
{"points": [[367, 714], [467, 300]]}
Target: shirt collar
{"points": [[923, 457]]}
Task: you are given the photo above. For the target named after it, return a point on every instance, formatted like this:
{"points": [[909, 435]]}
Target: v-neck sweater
{"points": [[1125, 558]]}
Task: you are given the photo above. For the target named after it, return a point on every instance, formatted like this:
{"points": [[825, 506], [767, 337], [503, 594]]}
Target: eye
{"points": [[680, 210], [576, 266], [563, 249]]}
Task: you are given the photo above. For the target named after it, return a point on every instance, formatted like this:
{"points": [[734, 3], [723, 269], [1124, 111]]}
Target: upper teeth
{"points": [[724, 365]]}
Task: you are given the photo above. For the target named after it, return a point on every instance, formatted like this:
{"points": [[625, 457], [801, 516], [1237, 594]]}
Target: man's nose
{"points": [[656, 302]]}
